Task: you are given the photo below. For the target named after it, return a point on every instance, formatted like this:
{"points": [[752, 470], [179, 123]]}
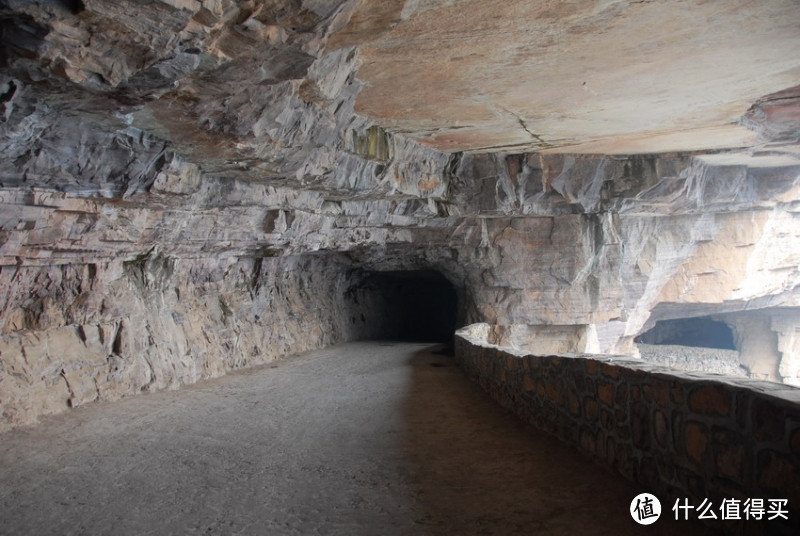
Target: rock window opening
{"points": [[696, 332], [419, 306]]}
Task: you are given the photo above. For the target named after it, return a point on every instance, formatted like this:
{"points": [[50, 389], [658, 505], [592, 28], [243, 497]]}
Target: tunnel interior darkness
{"points": [[418, 306], [700, 332]]}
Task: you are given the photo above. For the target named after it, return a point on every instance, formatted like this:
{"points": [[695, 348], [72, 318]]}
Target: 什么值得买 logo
{"points": [[645, 509]]}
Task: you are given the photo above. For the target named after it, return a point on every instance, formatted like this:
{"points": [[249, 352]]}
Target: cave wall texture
{"points": [[189, 187]]}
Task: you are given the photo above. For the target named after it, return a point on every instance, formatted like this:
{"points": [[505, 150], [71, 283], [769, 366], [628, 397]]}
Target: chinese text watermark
{"points": [[733, 509], [645, 509]]}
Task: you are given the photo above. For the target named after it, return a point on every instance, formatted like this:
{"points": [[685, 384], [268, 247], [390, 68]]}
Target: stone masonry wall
{"points": [[680, 435]]}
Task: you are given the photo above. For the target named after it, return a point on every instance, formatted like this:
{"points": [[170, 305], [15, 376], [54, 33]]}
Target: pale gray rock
{"points": [[696, 359], [186, 189]]}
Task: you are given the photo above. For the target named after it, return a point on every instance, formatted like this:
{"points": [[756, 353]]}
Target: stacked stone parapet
{"points": [[681, 435]]}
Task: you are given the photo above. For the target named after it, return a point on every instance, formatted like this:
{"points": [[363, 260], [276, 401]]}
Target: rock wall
{"points": [[197, 140], [681, 435], [767, 343], [547, 283], [75, 334]]}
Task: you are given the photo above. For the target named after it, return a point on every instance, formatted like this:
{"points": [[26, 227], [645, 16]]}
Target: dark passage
{"points": [[416, 306], [701, 332]]}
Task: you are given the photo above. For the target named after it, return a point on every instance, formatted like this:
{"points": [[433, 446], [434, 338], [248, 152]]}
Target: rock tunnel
{"points": [[407, 305], [596, 202]]}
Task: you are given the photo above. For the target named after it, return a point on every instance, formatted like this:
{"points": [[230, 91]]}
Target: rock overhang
{"points": [[614, 77]]}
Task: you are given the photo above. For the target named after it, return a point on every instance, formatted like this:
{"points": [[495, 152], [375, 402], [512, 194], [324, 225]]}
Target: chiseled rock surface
{"points": [[610, 76], [185, 188], [75, 334]]}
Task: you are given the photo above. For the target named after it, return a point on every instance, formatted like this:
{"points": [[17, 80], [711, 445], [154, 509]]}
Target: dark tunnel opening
{"points": [[700, 332], [418, 306]]}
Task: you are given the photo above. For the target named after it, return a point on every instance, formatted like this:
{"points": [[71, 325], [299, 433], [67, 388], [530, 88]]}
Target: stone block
{"points": [[743, 399], [661, 429], [769, 421], [676, 393], [574, 404], [623, 431], [605, 392], [621, 415], [607, 421], [611, 371], [696, 442], [640, 426], [621, 397], [578, 380], [711, 400], [657, 391], [732, 458], [553, 362], [528, 383], [779, 474], [590, 409]]}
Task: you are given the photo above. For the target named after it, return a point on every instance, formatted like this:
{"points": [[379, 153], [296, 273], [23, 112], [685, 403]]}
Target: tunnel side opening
{"points": [[702, 332], [418, 306]]}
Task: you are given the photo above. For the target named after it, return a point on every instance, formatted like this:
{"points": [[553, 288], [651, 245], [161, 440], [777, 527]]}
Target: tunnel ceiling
{"points": [[592, 77], [586, 76]]}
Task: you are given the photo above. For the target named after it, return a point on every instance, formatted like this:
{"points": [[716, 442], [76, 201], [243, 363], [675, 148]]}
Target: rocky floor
{"points": [[364, 438], [717, 360]]}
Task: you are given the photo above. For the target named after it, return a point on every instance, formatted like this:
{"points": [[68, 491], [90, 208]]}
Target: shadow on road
{"points": [[480, 470]]}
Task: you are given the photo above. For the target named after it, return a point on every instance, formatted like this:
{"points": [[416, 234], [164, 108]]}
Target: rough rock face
{"points": [[600, 76], [104, 331], [185, 189], [689, 358]]}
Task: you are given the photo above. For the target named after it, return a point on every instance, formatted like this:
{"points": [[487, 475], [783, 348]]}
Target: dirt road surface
{"points": [[365, 438]]}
